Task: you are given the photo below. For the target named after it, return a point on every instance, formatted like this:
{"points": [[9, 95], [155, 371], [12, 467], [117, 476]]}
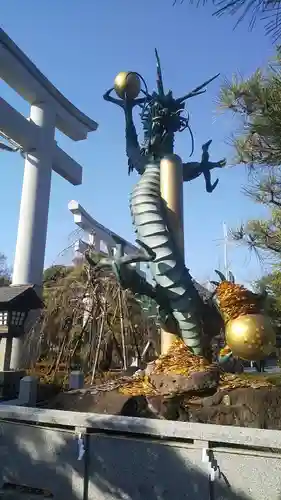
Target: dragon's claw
{"points": [[222, 163], [104, 263], [210, 188], [163, 315], [207, 144]]}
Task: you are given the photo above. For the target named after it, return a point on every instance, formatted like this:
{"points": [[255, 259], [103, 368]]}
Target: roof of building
{"points": [[11, 293]]}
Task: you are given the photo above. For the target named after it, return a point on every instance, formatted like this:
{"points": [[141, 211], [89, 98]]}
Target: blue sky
{"points": [[81, 46]]}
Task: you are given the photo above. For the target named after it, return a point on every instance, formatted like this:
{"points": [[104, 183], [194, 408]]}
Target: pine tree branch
{"points": [[267, 11]]}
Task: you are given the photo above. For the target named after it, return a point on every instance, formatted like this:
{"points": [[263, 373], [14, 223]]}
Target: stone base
{"points": [[10, 383], [110, 402]]}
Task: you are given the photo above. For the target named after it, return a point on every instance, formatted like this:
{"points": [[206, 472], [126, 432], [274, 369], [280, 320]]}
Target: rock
{"points": [[137, 406], [139, 373], [241, 416], [167, 408], [131, 370], [103, 402], [169, 384], [246, 407], [163, 408], [84, 400], [150, 368], [232, 365], [47, 391]]}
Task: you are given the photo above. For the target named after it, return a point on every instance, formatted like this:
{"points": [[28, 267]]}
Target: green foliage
{"points": [[256, 101], [271, 283], [5, 273], [58, 278], [54, 273], [5, 281], [66, 339], [262, 236]]}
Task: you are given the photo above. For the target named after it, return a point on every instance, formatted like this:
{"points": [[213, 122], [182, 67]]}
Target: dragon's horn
{"points": [[231, 277], [197, 91], [220, 275], [216, 283], [160, 86]]}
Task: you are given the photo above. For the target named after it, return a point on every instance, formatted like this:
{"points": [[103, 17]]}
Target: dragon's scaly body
{"points": [[168, 269]]}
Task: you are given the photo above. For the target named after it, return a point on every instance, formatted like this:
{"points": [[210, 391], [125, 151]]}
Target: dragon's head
{"points": [[162, 112]]}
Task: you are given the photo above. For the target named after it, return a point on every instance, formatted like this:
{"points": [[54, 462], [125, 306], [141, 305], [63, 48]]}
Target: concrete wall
{"points": [[130, 458]]}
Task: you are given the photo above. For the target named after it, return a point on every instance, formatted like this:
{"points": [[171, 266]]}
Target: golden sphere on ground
{"points": [[250, 337], [127, 84]]}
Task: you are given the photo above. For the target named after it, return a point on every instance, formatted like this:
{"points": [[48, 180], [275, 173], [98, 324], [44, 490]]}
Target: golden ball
{"points": [[251, 337], [127, 84]]}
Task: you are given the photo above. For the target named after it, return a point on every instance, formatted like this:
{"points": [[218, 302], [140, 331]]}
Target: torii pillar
{"points": [[34, 207], [36, 137]]}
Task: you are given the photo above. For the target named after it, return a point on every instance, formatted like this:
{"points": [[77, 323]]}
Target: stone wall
{"points": [[71, 456]]}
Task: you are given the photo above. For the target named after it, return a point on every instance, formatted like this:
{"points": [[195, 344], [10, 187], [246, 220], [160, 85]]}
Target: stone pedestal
{"points": [[28, 391], [76, 380]]}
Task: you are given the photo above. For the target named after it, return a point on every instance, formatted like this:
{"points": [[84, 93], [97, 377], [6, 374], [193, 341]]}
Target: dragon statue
{"points": [[185, 307], [176, 292]]}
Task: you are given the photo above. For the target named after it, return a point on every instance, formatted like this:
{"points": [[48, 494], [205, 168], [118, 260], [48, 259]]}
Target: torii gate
{"points": [[36, 137], [99, 237]]}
